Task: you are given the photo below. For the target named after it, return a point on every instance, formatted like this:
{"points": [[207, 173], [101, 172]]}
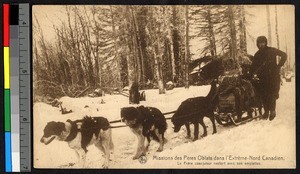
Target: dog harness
{"points": [[73, 132], [90, 126]]}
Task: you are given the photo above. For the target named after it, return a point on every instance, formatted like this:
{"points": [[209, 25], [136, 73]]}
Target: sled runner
{"points": [[245, 120]]}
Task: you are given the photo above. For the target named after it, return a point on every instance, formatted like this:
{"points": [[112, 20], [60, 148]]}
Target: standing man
{"points": [[266, 64]]}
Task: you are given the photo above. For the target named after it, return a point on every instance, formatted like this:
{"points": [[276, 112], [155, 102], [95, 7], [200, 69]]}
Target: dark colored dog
{"points": [[256, 103], [193, 110], [144, 122], [81, 133]]}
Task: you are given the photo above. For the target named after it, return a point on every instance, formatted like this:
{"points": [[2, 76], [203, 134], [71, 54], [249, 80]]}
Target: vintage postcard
{"points": [[154, 87]]}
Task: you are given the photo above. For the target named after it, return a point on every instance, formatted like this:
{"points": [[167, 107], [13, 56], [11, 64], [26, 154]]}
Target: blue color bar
{"points": [[8, 164]]}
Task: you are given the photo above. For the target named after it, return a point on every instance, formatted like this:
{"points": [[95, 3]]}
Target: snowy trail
{"points": [[255, 138]]}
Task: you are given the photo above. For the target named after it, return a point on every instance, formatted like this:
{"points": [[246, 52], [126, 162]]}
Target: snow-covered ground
{"points": [[246, 146]]}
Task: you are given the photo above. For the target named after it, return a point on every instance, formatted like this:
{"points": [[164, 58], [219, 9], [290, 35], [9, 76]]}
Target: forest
{"points": [[110, 47]]}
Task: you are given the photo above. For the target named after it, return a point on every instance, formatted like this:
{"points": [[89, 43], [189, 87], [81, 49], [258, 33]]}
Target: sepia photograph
{"points": [[164, 86]]}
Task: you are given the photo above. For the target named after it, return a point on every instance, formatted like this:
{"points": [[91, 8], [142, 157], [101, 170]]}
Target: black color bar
{"points": [[14, 14]]}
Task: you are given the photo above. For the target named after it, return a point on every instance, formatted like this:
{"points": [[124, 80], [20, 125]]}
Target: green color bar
{"points": [[7, 110]]}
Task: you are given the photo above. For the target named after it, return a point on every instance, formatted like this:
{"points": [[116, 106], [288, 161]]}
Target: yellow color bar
{"points": [[6, 68]]}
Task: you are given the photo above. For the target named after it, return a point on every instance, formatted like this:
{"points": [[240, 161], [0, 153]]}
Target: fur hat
{"points": [[261, 39]]}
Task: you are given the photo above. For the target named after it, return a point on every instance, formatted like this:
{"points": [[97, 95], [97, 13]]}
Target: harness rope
{"points": [[167, 113]]}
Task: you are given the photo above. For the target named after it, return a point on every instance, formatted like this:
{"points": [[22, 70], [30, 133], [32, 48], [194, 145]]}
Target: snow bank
{"points": [[249, 144]]}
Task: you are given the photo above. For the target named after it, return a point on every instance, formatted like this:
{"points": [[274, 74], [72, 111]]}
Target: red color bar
{"points": [[6, 25]]}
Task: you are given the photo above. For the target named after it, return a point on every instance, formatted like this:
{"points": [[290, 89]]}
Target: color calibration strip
{"points": [[17, 91], [7, 118]]}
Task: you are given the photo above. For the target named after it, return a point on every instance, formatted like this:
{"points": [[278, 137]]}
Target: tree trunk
{"points": [[154, 31], [95, 51], [187, 47], [287, 64], [212, 40], [131, 69], [137, 46], [158, 71], [176, 43], [96, 60], [170, 39], [158, 63], [116, 46], [233, 40], [242, 28], [269, 25], [276, 27]]}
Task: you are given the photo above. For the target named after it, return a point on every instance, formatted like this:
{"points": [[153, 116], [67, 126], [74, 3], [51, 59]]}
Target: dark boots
{"points": [[269, 115], [272, 115], [265, 116]]}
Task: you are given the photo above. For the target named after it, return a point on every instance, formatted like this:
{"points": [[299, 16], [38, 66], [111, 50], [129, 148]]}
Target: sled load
{"points": [[236, 99]]}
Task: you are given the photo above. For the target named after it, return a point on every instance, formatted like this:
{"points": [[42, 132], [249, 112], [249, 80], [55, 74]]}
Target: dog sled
{"points": [[235, 101]]}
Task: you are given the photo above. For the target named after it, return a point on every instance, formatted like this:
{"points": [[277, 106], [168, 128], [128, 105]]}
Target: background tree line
{"points": [[113, 46]]}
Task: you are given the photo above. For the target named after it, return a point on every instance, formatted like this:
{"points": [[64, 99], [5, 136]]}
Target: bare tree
{"points": [[169, 27], [128, 38], [112, 46], [233, 39], [116, 46], [74, 44], [156, 46], [86, 45], [242, 29], [269, 24], [187, 47], [276, 27], [137, 46]]}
